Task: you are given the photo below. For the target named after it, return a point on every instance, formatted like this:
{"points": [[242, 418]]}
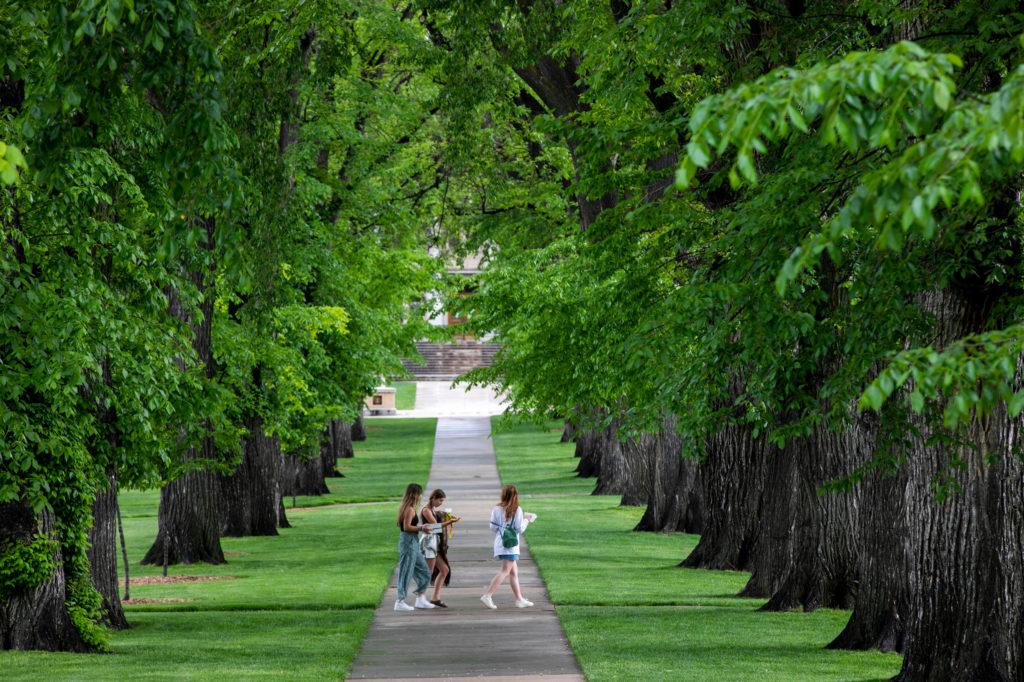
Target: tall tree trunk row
{"points": [[103, 553]]}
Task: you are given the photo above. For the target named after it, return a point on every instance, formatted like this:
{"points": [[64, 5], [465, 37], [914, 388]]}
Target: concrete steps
{"points": [[445, 361]]}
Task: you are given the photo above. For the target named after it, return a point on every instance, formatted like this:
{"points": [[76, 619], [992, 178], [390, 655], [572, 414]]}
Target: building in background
{"points": [[446, 361]]}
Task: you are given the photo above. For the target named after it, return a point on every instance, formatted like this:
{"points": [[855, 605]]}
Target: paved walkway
{"points": [[441, 399], [468, 640]]}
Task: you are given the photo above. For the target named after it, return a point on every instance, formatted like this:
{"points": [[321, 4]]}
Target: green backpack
{"points": [[509, 536]]}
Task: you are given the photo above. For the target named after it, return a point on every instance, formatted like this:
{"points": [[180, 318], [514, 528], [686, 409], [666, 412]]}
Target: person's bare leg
{"points": [[430, 565], [506, 567], [513, 580], [442, 573]]}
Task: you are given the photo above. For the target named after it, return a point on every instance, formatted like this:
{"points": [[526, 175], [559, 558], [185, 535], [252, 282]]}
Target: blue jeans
{"points": [[411, 564]]}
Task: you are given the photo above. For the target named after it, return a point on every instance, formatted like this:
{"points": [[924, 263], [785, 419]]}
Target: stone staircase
{"points": [[445, 361]]}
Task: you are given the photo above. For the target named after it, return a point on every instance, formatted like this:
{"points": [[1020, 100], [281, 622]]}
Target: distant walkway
{"points": [[440, 399], [467, 639]]}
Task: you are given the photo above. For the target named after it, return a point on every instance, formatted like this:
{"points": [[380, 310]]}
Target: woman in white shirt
{"points": [[508, 522]]}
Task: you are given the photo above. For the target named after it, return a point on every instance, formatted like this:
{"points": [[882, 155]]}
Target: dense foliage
{"points": [[738, 231], [256, 170]]}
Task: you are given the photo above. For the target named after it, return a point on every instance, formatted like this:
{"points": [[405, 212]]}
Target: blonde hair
{"points": [[413, 491], [510, 501]]}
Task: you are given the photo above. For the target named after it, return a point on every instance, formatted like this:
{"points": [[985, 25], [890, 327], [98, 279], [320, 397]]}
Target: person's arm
{"points": [[407, 524], [495, 526]]}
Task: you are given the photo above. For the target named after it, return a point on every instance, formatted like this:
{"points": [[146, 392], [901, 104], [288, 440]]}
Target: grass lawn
{"points": [[294, 607], [396, 452], [631, 613], [405, 395]]}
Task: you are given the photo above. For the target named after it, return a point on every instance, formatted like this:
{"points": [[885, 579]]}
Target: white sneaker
{"points": [[402, 606], [423, 603], [488, 602], [523, 603]]}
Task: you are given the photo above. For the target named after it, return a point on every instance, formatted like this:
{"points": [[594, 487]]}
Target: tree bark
{"points": [[358, 427], [588, 451], [823, 572], [38, 618], [303, 476], [964, 625], [638, 455], [674, 501], [881, 608], [772, 554], [103, 553], [188, 520], [329, 452], [343, 437], [568, 433], [613, 476], [732, 477], [252, 494]]}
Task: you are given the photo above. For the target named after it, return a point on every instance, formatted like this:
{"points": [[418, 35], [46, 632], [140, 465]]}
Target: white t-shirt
{"points": [[497, 526]]}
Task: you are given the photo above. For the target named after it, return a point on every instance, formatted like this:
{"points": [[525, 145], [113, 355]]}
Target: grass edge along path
{"points": [[296, 606], [627, 608], [405, 395]]}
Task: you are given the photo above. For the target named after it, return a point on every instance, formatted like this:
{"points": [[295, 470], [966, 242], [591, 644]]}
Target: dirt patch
{"points": [[236, 554], [172, 579], [162, 600]]}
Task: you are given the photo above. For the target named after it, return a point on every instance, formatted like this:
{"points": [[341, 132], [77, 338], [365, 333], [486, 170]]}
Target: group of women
{"points": [[423, 547]]}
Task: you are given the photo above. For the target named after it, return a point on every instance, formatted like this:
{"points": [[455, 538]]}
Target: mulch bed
{"points": [[160, 580]]}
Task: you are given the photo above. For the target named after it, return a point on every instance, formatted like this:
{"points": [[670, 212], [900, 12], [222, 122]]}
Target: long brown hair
{"points": [[438, 494], [413, 491], [510, 501]]}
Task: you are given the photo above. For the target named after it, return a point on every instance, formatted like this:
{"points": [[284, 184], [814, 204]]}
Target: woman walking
{"points": [[434, 544], [411, 564], [508, 523]]}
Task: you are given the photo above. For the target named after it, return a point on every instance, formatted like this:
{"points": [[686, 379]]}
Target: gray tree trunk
{"points": [[103, 553], [359, 427], [36, 619], [252, 503]]}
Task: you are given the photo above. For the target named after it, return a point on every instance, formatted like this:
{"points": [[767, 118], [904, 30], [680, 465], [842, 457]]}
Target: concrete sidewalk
{"points": [[468, 640], [441, 399]]}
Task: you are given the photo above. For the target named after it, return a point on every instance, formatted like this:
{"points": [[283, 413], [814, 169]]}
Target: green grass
{"points": [[532, 458], [294, 607], [396, 452], [405, 395], [631, 613]]}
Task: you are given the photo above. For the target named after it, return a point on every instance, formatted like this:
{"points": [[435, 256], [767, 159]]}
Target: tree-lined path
{"points": [[467, 640]]}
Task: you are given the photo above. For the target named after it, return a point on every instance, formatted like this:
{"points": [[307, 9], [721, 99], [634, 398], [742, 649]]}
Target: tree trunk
{"points": [[188, 520], [613, 477], [303, 476], [964, 625], [638, 455], [36, 618], [881, 608], [342, 434], [252, 494], [587, 449], [568, 433], [329, 453], [733, 478], [823, 572], [772, 553], [673, 492], [103, 553], [1007, 624], [358, 427]]}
